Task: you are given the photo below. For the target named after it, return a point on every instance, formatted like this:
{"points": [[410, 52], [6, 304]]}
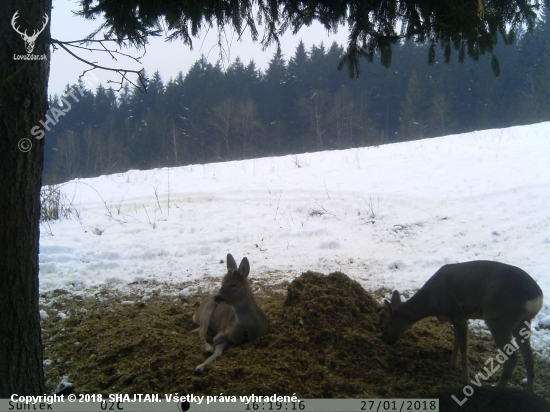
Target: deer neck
{"points": [[245, 311], [416, 308]]}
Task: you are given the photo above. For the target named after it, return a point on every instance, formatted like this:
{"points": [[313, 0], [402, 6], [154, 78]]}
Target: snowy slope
{"points": [[387, 216]]}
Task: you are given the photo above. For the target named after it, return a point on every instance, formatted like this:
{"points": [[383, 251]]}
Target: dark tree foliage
{"points": [[472, 27]]}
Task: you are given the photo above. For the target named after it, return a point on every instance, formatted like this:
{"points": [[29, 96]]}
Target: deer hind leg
{"points": [[524, 342], [461, 342], [217, 353], [503, 338]]}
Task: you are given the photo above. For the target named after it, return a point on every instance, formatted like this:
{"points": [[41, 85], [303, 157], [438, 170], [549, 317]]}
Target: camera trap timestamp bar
{"points": [[301, 405]]}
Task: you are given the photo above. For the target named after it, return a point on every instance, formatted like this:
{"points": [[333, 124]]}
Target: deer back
{"points": [[482, 289]]}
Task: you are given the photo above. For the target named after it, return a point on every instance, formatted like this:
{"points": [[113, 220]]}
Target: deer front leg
{"points": [[221, 338], [461, 342], [454, 356], [217, 353], [208, 348]]}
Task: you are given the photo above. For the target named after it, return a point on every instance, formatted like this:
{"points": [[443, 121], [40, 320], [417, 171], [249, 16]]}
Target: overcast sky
{"points": [[168, 58]]}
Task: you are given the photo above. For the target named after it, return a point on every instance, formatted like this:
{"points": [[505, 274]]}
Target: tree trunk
{"points": [[23, 103]]}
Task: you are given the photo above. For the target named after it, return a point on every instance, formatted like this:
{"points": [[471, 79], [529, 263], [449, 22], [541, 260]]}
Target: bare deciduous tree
{"points": [[315, 107], [248, 123], [222, 120], [440, 110], [68, 155]]}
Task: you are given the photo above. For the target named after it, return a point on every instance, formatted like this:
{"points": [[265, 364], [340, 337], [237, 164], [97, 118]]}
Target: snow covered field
{"points": [[386, 216]]}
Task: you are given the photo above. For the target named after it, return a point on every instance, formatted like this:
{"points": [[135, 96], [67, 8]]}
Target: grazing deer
{"points": [[504, 296], [232, 315]]}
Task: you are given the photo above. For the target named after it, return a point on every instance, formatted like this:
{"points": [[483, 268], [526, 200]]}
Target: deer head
{"points": [[29, 40]]}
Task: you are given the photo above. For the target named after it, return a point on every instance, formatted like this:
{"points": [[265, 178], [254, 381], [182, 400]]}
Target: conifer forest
{"points": [[300, 103]]}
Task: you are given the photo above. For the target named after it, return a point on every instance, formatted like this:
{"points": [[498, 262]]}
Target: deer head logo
{"points": [[29, 40]]}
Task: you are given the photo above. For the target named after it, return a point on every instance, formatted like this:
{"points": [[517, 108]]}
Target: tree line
{"points": [[299, 104]]}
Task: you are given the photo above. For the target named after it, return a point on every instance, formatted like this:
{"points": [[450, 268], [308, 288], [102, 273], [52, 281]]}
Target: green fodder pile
{"points": [[324, 342]]}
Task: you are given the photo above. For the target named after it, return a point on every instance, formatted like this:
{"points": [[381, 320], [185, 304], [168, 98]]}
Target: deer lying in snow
{"points": [[231, 316], [504, 296]]}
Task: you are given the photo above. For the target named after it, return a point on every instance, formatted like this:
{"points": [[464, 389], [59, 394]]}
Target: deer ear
{"points": [[244, 268], [231, 264], [395, 299], [388, 310]]}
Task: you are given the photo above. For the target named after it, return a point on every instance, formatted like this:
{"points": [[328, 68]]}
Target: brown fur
{"points": [[504, 296]]}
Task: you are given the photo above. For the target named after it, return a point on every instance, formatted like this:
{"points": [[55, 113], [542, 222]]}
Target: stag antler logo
{"points": [[29, 40]]}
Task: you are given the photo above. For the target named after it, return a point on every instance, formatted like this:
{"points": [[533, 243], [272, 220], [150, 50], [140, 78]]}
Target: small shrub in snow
{"points": [[55, 205]]}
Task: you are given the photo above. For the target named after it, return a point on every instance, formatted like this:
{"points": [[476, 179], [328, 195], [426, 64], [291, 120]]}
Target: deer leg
{"points": [[461, 342], [454, 356], [503, 338], [524, 342], [217, 353], [208, 348], [220, 338]]}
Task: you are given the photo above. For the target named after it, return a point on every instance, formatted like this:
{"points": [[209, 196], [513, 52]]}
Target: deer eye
{"points": [[233, 285]]}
